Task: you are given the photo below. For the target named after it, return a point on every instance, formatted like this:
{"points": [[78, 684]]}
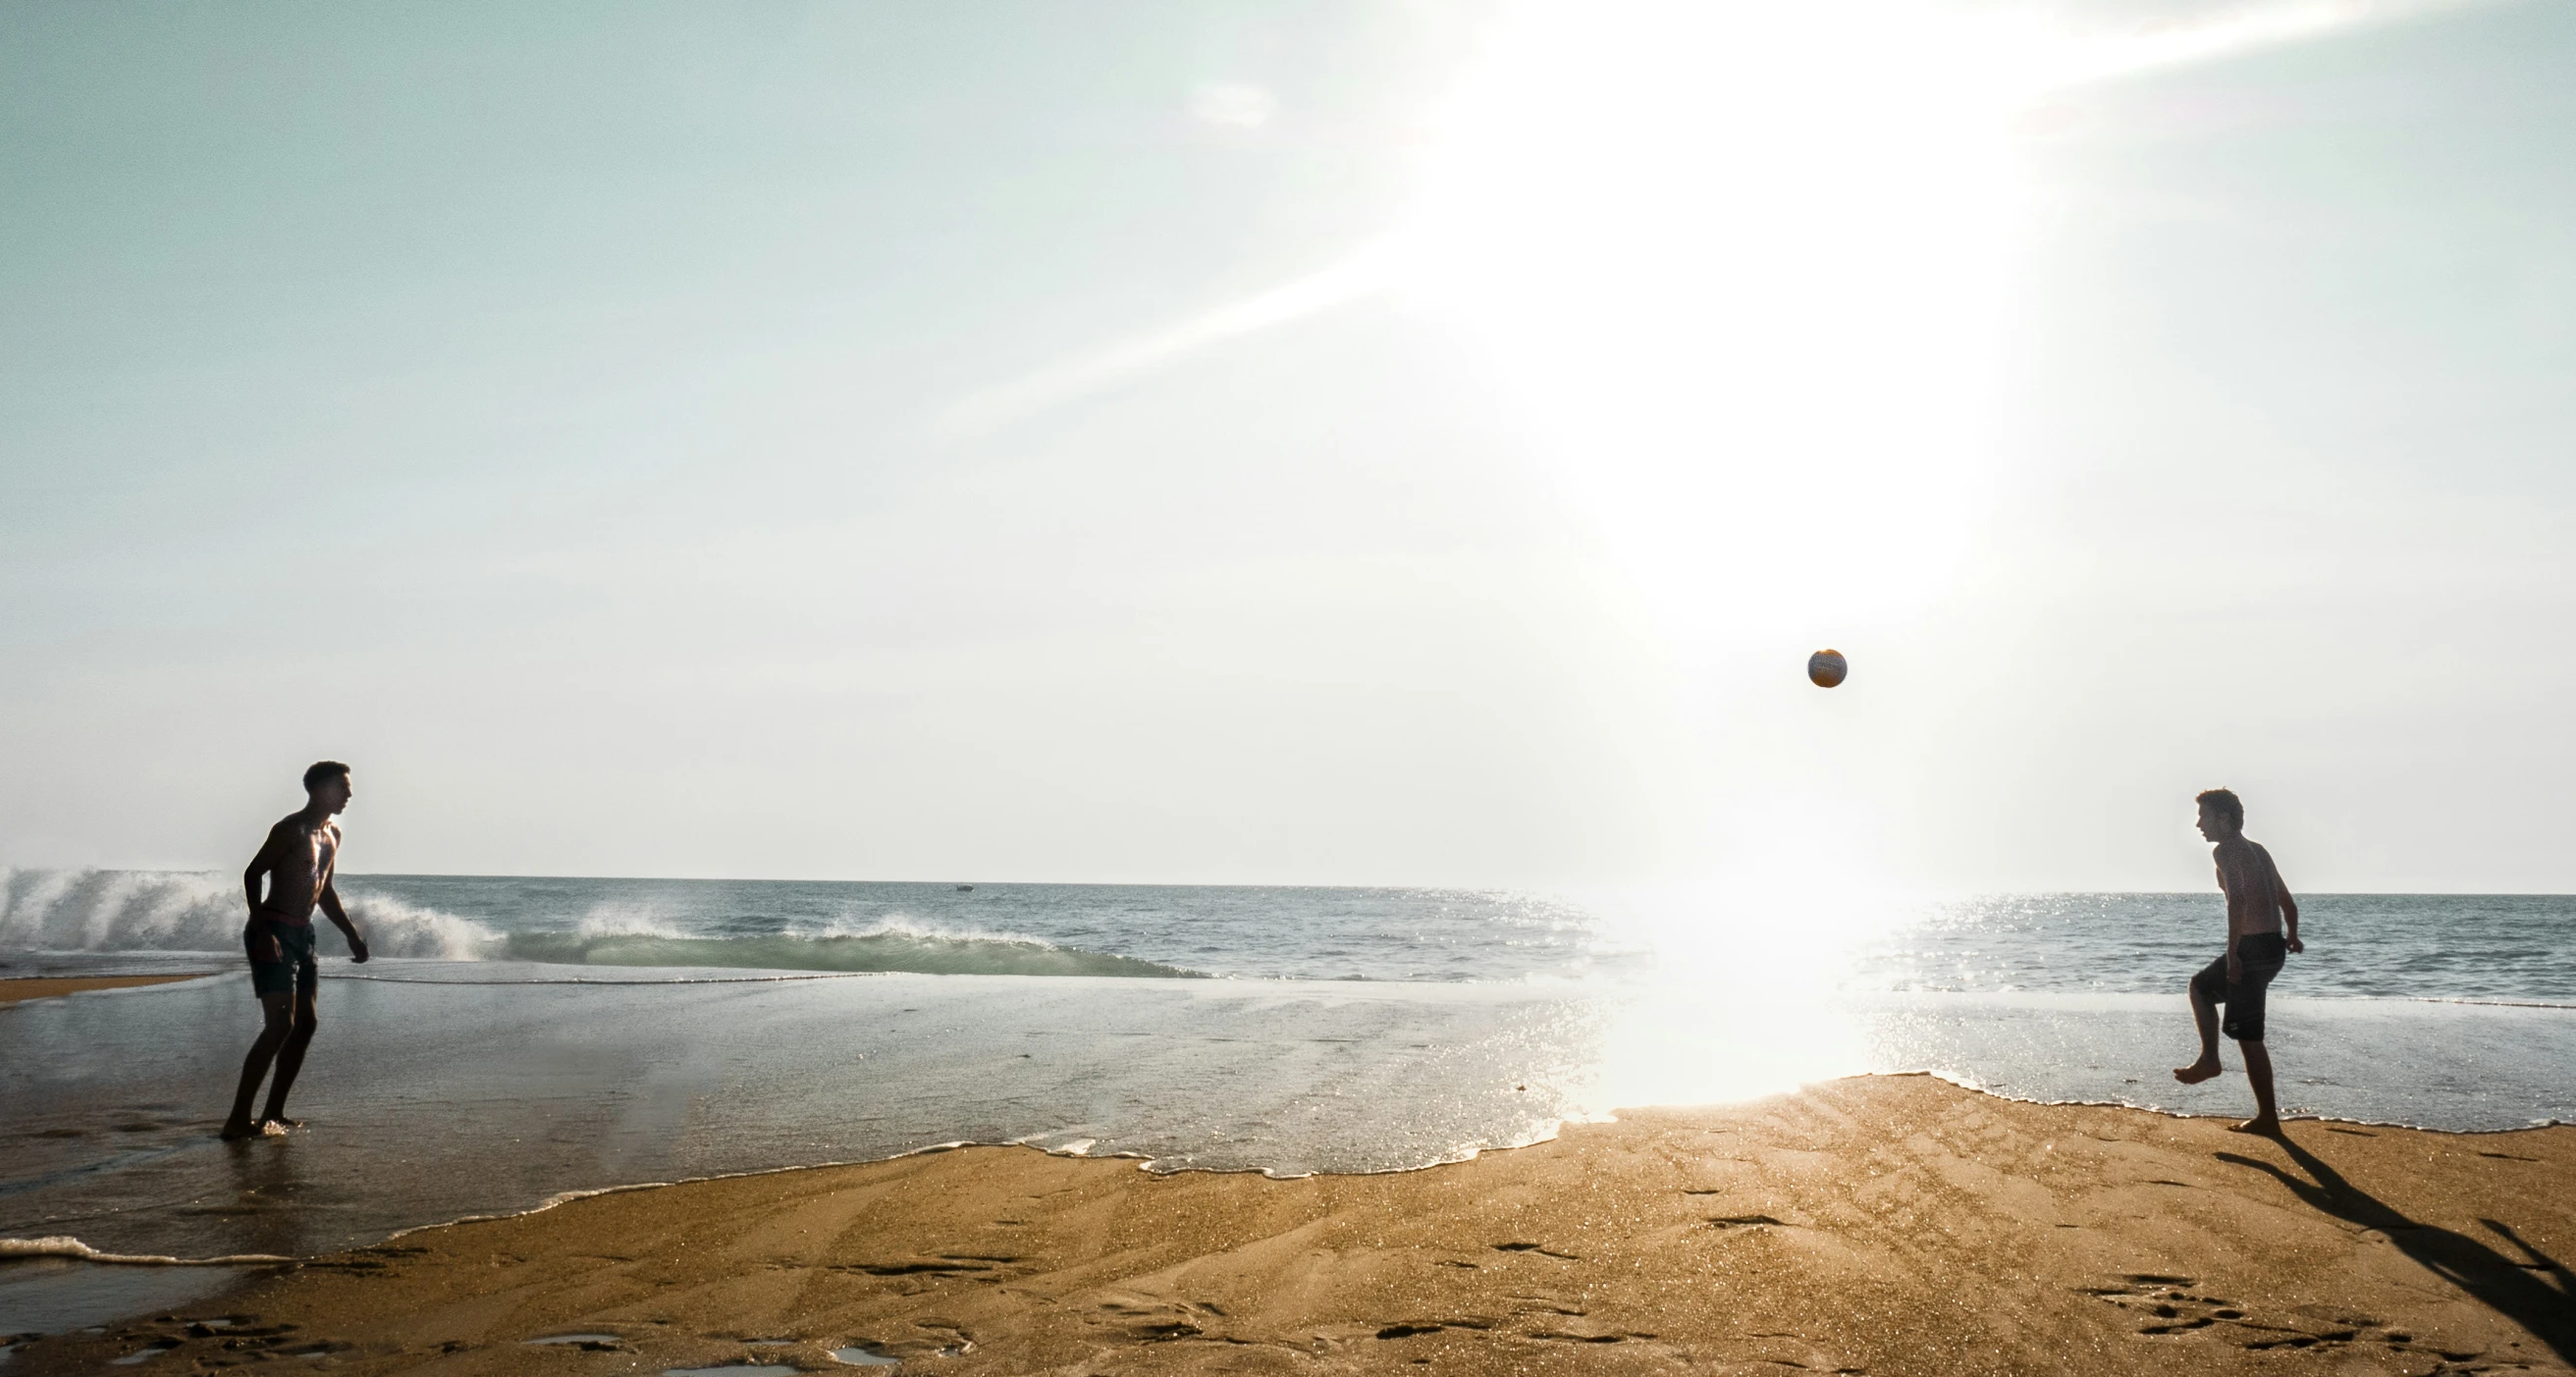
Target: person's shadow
{"points": [[2535, 1294]]}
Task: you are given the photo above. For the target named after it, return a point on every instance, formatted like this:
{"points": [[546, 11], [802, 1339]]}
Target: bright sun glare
{"points": [[1741, 268], [1748, 273], [1745, 271], [1744, 276]]}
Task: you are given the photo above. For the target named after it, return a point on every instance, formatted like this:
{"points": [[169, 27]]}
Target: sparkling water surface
{"points": [[2513, 948], [2504, 947]]}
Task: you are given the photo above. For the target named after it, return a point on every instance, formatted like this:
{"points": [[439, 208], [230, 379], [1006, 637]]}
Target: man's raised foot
{"points": [[2197, 1072]]}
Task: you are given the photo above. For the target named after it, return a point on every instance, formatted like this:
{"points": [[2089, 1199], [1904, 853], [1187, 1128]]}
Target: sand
{"points": [[16, 988], [1880, 1225]]}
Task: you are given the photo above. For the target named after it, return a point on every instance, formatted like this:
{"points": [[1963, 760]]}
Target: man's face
{"points": [[332, 793], [2212, 828]]}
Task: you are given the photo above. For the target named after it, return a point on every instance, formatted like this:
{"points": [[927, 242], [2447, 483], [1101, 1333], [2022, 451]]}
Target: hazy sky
{"points": [[1388, 442]]}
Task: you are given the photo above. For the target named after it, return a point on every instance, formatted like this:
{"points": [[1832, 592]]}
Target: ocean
{"points": [[517, 1040]]}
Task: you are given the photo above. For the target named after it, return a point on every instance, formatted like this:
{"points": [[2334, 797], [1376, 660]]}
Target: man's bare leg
{"points": [[2204, 1014], [290, 1059], [277, 1008], [2258, 1073]]}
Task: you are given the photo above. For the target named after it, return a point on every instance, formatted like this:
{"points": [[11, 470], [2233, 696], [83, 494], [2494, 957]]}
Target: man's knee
{"points": [[306, 1021]]}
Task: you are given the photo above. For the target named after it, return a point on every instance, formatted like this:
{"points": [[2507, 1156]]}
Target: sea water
{"points": [[517, 1040]]}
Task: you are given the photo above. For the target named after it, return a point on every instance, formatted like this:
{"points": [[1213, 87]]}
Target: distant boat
{"points": [[963, 888]]}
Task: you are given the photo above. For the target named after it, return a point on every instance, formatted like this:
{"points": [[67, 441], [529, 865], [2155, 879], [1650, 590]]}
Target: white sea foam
{"points": [[626, 920], [125, 910], [636, 920], [66, 1246], [105, 911], [905, 925], [899, 948]]}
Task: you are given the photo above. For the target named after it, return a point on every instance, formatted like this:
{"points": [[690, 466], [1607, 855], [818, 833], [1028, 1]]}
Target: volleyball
{"points": [[1827, 668]]}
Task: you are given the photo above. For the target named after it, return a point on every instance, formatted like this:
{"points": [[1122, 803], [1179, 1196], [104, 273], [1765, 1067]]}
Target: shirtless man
{"points": [[2258, 904], [299, 858]]}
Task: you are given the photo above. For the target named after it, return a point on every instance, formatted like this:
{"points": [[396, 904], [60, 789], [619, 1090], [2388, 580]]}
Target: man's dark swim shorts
{"points": [[293, 972], [2261, 954]]}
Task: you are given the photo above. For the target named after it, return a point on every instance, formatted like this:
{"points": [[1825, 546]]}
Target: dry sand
{"points": [[1881, 1225], [16, 988]]}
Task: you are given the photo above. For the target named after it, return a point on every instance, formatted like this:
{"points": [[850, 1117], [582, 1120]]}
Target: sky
{"points": [[1387, 443]]}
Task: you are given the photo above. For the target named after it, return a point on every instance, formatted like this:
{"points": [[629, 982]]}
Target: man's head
{"points": [[327, 783], [2222, 814]]}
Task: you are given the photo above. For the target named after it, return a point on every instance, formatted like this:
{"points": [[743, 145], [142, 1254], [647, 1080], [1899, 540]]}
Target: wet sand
{"points": [[16, 988], [1879, 1224]]}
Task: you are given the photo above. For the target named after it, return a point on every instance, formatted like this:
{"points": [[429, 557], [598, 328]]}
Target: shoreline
{"points": [[72, 1249], [17, 989], [1889, 1223]]}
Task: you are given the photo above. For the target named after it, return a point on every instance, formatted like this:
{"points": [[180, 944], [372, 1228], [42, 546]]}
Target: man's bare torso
{"points": [[2253, 887], [301, 858]]}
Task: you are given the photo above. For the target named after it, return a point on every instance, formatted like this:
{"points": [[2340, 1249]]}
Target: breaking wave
{"points": [[161, 911], [634, 935], [889, 946], [144, 910]]}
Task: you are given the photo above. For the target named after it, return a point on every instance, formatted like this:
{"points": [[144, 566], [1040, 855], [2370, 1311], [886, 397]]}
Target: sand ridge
{"points": [[1878, 1225]]}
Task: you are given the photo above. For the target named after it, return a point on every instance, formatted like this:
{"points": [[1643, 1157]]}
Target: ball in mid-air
{"points": [[1827, 668]]}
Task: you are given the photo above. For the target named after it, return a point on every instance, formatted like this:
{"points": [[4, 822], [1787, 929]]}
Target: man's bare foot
{"points": [[2265, 1125], [2197, 1072], [277, 1124], [236, 1130]]}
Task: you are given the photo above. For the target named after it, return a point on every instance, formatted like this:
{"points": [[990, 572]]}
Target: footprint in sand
{"points": [[2170, 1306], [1535, 1248], [588, 1343]]}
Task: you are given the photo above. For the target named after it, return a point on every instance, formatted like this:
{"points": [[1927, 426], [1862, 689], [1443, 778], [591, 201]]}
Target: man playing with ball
{"points": [[2259, 907]]}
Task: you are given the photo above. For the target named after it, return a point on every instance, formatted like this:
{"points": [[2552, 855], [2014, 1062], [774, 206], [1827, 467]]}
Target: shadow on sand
{"points": [[2534, 1293]]}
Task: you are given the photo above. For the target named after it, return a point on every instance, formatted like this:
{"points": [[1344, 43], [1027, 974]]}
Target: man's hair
{"points": [[321, 770], [2223, 802]]}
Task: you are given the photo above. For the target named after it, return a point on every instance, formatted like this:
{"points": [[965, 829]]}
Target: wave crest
{"points": [[126, 910], [918, 952], [165, 911]]}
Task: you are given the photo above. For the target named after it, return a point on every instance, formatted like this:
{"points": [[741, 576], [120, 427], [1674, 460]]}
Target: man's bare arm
{"points": [[264, 944], [2240, 876], [340, 918], [2233, 882], [259, 865], [2289, 906]]}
